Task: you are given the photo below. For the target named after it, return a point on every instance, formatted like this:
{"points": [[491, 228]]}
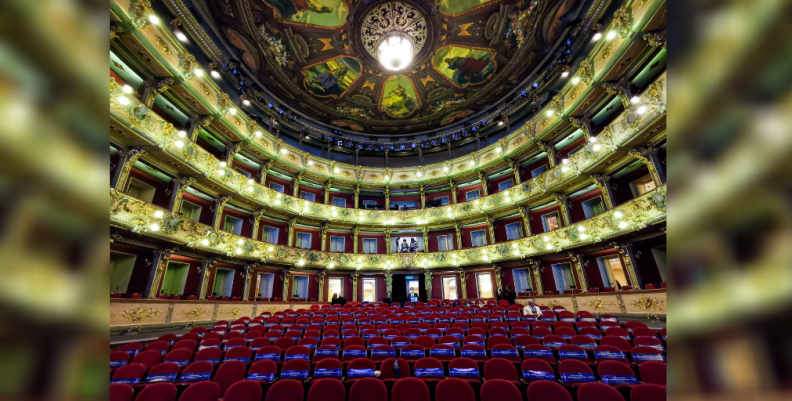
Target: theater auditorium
{"points": [[413, 200]]}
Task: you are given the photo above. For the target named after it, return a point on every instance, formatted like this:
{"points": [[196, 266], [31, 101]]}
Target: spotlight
{"points": [[641, 110], [611, 35], [153, 19], [575, 80], [181, 36], [597, 36], [564, 74], [198, 73], [623, 225], [593, 139], [214, 74], [179, 144], [123, 100], [232, 111], [549, 113], [223, 164], [154, 227], [128, 89], [635, 99], [246, 102], [182, 134], [258, 134], [499, 149], [158, 214], [205, 242]]}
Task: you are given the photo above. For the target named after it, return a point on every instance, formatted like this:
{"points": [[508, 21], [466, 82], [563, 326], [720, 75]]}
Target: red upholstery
{"points": [[429, 363], [158, 392], [410, 389], [159, 346], [535, 364], [653, 372], [648, 392], [285, 390], [296, 364], [465, 363], [425, 341], [614, 368], [493, 341], [598, 392], [386, 369], [538, 347], [263, 367], [453, 389], [326, 390], [499, 368], [366, 389], [239, 352], [286, 343], [121, 392], [131, 371], [570, 347], [245, 390], [330, 364], [202, 391], [354, 341], [542, 390], [164, 368], [229, 373], [640, 350], [148, 358], [500, 390], [573, 366]]}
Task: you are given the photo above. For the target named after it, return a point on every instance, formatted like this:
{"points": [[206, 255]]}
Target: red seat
{"points": [[263, 371], [410, 389], [524, 341], [119, 359], [325, 390], [387, 372], [329, 368], [500, 369], [644, 332], [497, 340], [648, 392], [229, 373], [332, 341], [474, 351], [652, 342], [547, 390], [535, 369], [285, 390], [129, 374], [360, 368], [598, 392], [617, 342], [325, 352], [442, 352], [242, 354], [538, 351], [245, 390], [574, 373], [643, 354], [286, 343], [465, 369], [653, 372], [163, 372], [160, 346], [506, 351], [148, 358], [158, 392], [584, 342], [366, 389], [354, 341], [429, 369], [616, 374], [500, 390], [453, 389], [576, 352], [349, 353], [425, 341], [297, 352], [121, 392], [609, 353], [297, 369]]}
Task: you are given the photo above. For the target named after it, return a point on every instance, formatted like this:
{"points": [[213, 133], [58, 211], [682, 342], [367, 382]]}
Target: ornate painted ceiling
{"points": [[319, 55]]}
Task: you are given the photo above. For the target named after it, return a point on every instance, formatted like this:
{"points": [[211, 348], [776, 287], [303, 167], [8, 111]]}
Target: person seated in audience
{"points": [[532, 309], [508, 294], [413, 245], [340, 300]]}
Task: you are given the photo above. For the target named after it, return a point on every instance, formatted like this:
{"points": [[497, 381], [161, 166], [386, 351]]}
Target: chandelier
{"points": [[395, 51], [393, 32]]}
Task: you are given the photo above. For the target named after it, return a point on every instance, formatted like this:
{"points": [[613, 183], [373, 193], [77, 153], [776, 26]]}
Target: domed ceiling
{"points": [[319, 56]]}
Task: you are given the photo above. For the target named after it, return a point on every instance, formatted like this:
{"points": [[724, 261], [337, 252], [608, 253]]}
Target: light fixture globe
{"points": [[395, 51]]}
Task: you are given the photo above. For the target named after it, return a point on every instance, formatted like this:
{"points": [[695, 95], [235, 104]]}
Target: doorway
{"points": [[223, 283], [300, 287], [265, 281], [413, 289]]}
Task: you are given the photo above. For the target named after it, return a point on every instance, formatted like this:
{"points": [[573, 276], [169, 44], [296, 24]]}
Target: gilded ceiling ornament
{"points": [[235, 311], [433, 173], [622, 18], [393, 16], [373, 176], [488, 157], [292, 157]]}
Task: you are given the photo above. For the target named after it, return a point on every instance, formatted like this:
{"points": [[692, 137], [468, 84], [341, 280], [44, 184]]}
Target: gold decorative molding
{"points": [[139, 314], [598, 303], [648, 303], [193, 312]]}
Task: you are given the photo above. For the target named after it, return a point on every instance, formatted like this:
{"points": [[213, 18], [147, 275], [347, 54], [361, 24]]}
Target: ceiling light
{"points": [[593, 139], [549, 113], [565, 161], [641, 110], [240, 242], [301, 262], [223, 164], [635, 99], [618, 215], [485, 257], [583, 236], [179, 144], [250, 181], [198, 73], [205, 242], [257, 134], [221, 172], [445, 169], [564, 74], [395, 51], [215, 74], [271, 249], [331, 265], [516, 253], [336, 170], [477, 202], [611, 35], [597, 147], [623, 224], [232, 111], [181, 36], [246, 102], [500, 123], [499, 149], [182, 134], [153, 19], [581, 228], [549, 246], [575, 80], [128, 89], [238, 251], [277, 202], [597, 36], [508, 199], [418, 174], [123, 100], [334, 213], [158, 214], [283, 151], [387, 177], [250, 189], [546, 238], [154, 227]]}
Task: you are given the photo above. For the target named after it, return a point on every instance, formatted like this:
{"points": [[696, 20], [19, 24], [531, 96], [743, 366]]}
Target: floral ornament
{"points": [[355, 111], [139, 314], [276, 49], [518, 23], [648, 303], [449, 103]]}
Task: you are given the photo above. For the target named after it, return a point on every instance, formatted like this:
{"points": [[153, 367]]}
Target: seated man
{"points": [[532, 309]]}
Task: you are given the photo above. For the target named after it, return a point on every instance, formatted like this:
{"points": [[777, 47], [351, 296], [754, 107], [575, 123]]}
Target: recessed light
{"points": [[128, 89], [611, 35], [181, 37], [215, 74], [153, 19], [575, 80], [198, 73], [597, 36]]}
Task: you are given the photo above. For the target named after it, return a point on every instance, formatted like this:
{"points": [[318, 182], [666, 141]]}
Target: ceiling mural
{"points": [[323, 56]]}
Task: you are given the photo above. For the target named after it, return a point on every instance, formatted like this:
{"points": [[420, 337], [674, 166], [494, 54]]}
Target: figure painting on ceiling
{"points": [[459, 6], [398, 97], [326, 13], [332, 78], [464, 66]]}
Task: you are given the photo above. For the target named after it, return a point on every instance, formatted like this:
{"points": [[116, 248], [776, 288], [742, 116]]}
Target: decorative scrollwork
{"points": [[139, 314], [648, 303], [393, 16]]}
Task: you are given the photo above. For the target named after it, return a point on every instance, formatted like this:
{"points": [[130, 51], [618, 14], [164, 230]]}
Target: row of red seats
{"points": [[431, 383]]}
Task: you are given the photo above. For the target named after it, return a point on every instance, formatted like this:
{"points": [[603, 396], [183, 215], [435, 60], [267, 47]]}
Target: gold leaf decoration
{"points": [[237, 121], [205, 89], [599, 303], [193, 312], [164, 46], [433, 173], [488, 156], [235, 311], [139, 314], [552, 304], [373, 176], [517, 142], [648, 303], [462, 166], [292, 157], [606, 52], [347, 173], [404, 176]]}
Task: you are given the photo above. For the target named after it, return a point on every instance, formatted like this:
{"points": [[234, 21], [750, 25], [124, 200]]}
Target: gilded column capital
{"points": [[578, 265], [161, 257], [655, 39], [537, 275], [626, 253], [463, 282], [582, 123], [515, 166], [618, 88]]}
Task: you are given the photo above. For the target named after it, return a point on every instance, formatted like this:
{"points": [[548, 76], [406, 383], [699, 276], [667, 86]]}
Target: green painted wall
{"points": [[175, 277], [121, 266], [224, 282]]}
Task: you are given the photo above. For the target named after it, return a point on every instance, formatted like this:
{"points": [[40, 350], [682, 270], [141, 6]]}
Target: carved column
{"points": [[324, 237], [619, 89], [537, 275], [219, 205], [484, 183], [231, 151], [355, 276], [264, 169], [515, 166], [428, 283], [286, 277], [650, 160], [453, 186], [290, 238], [387, 198], [296, 189], [152, 88], [423, 196], [420, 156], [127, 159], [355, 248], [327, 186], [196, 124], [578, 268], [551, 152], [161, 257], [389, 283], [458, 230], [257, 222], [387, 240], [179, 186], [463, 282], [584, 124], [498, 273], [562, 202], [248, 276], [490, 227], [206, 269], [526, 216], [425, 231], [628, 258], [321, 279], [603, 183], [357, 196]]}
